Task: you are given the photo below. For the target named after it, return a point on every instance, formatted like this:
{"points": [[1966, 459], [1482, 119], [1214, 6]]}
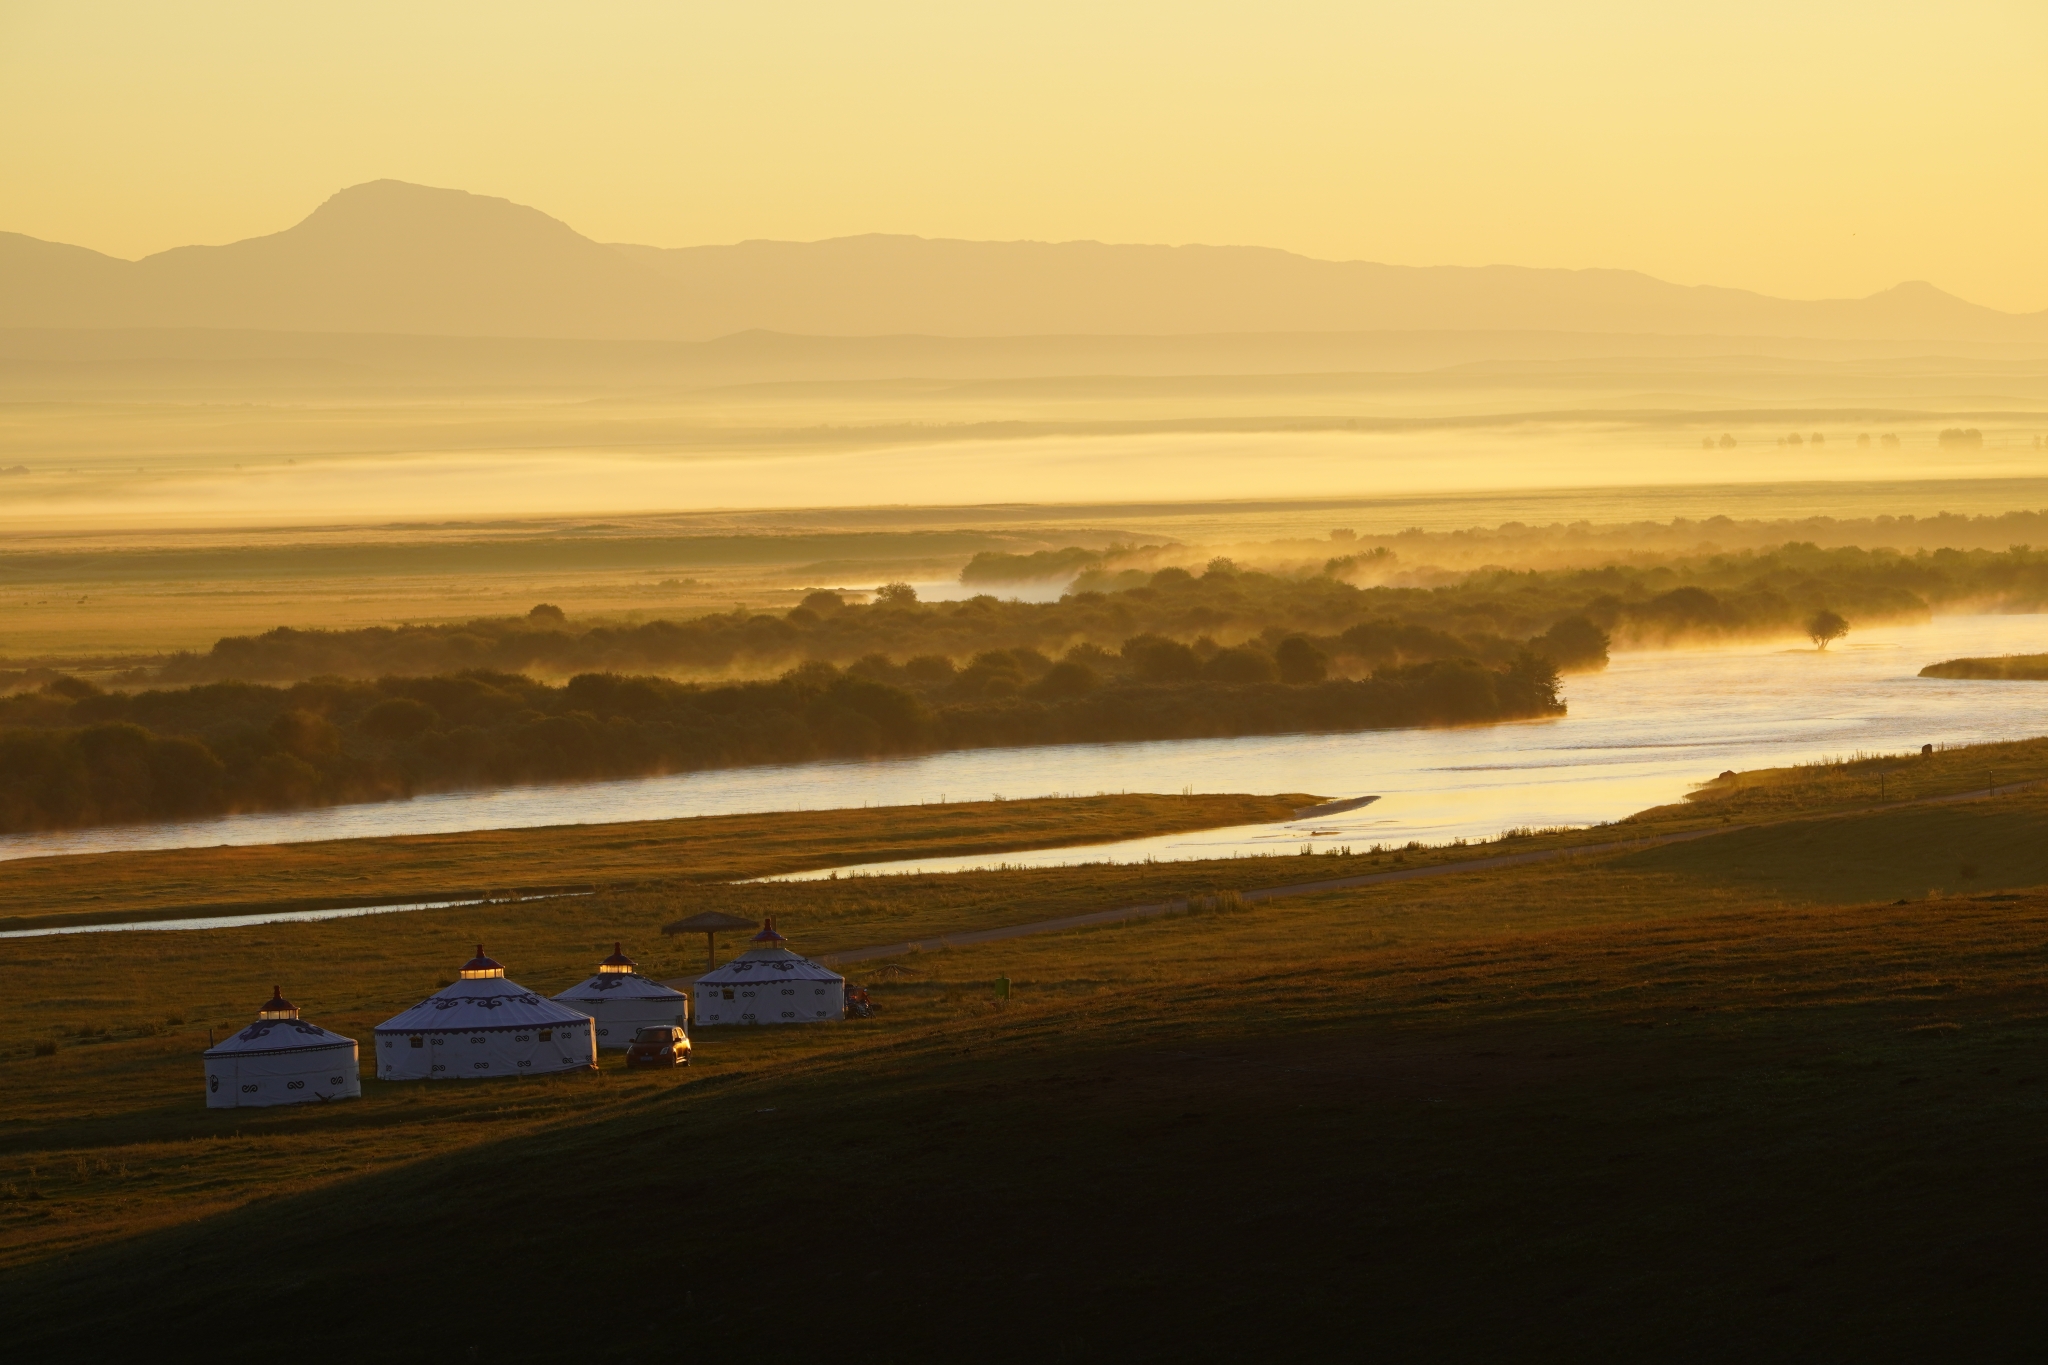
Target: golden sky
{"points": [[1800, 147]]}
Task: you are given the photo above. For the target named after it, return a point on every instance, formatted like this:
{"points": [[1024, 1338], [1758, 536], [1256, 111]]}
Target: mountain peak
{"points": [[1918, 291], [384, 208]]}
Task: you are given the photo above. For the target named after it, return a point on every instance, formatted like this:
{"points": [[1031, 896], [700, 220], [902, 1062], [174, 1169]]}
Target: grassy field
{"points": [[1775, 1093], [185, 883]]}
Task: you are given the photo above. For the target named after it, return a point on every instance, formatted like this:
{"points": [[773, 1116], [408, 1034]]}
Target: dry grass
{"points": [[1629, 1095], [177, 883], [1855, 782]]}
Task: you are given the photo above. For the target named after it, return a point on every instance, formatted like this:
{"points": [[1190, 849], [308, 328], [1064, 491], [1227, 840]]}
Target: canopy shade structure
{"points": [[711, 924], [620, 1000], [281, 1059], [484, 1025], [769, 984]]}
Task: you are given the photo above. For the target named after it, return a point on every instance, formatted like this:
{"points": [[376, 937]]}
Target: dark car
{"points": [[659, 1045]]}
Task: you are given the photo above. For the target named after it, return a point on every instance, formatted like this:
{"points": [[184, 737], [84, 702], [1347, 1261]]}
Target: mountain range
{"points": [[390, 257]]}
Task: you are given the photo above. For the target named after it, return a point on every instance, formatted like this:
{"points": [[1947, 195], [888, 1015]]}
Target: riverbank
{"points": [[294, 877], [74, 757]]}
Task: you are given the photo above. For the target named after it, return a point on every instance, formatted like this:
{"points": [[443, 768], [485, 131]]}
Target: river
{"points": [[1638, 735]]}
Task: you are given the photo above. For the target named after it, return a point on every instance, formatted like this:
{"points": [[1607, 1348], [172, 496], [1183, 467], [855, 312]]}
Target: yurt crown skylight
{"points": [[481, 966], [617, 962], [278, 1007]]}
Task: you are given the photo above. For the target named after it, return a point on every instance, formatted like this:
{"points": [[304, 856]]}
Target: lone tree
{"points": [[1825, 626]]}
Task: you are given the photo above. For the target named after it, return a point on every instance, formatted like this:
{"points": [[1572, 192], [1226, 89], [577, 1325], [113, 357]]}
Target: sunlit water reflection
{"points": [[1638, 735], [237, 921]]}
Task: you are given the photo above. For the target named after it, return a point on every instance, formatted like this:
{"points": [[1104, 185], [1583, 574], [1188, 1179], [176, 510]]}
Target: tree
{"points": [[1239, 664], [896, 594], [1300, 661], [1825, 626], [1154, 658], [397, 719], [1574, 643], [1067, 678]]}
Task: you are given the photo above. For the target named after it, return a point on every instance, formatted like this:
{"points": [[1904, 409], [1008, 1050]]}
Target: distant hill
{"points": [[396, 258]]}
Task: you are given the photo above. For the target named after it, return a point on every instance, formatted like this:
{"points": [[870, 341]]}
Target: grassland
{"points": [[1774, 1093], [188, 882]]}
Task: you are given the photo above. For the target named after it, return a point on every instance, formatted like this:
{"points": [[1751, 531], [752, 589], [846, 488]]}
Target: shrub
{"points": [[1241, 664], [398, 718], [1300, 661], [1154, 658], [1574, 644], [1068, 678]]}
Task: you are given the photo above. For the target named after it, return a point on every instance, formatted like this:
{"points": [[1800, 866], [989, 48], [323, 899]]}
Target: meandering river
{"points": [[1639, 734]]}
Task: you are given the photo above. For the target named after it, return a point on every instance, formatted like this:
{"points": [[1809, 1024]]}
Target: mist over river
{"points": [[1639, 734]]}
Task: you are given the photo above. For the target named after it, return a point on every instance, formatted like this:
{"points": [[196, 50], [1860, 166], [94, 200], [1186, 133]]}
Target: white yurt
{"points": [[281, 1059], [769, 984], [621, 1001], [482, 1026]]}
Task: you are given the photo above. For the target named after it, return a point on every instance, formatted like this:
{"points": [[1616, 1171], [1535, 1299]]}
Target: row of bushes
{"points": [[1489, 615], [71, 755]]}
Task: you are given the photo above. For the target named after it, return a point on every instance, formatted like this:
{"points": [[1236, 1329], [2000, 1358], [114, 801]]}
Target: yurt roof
{"points": [[618, 986], [767, 964], [481, 998], [278, 1028]]}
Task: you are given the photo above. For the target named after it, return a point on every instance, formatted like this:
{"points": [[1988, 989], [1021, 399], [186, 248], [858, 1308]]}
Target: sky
{"points": [[1816, 149]]}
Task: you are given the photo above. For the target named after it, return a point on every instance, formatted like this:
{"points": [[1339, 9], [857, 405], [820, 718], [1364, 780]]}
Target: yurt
{"points": [[484, 1025], [769, 984], [281, 1059], [621, 1000]]}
